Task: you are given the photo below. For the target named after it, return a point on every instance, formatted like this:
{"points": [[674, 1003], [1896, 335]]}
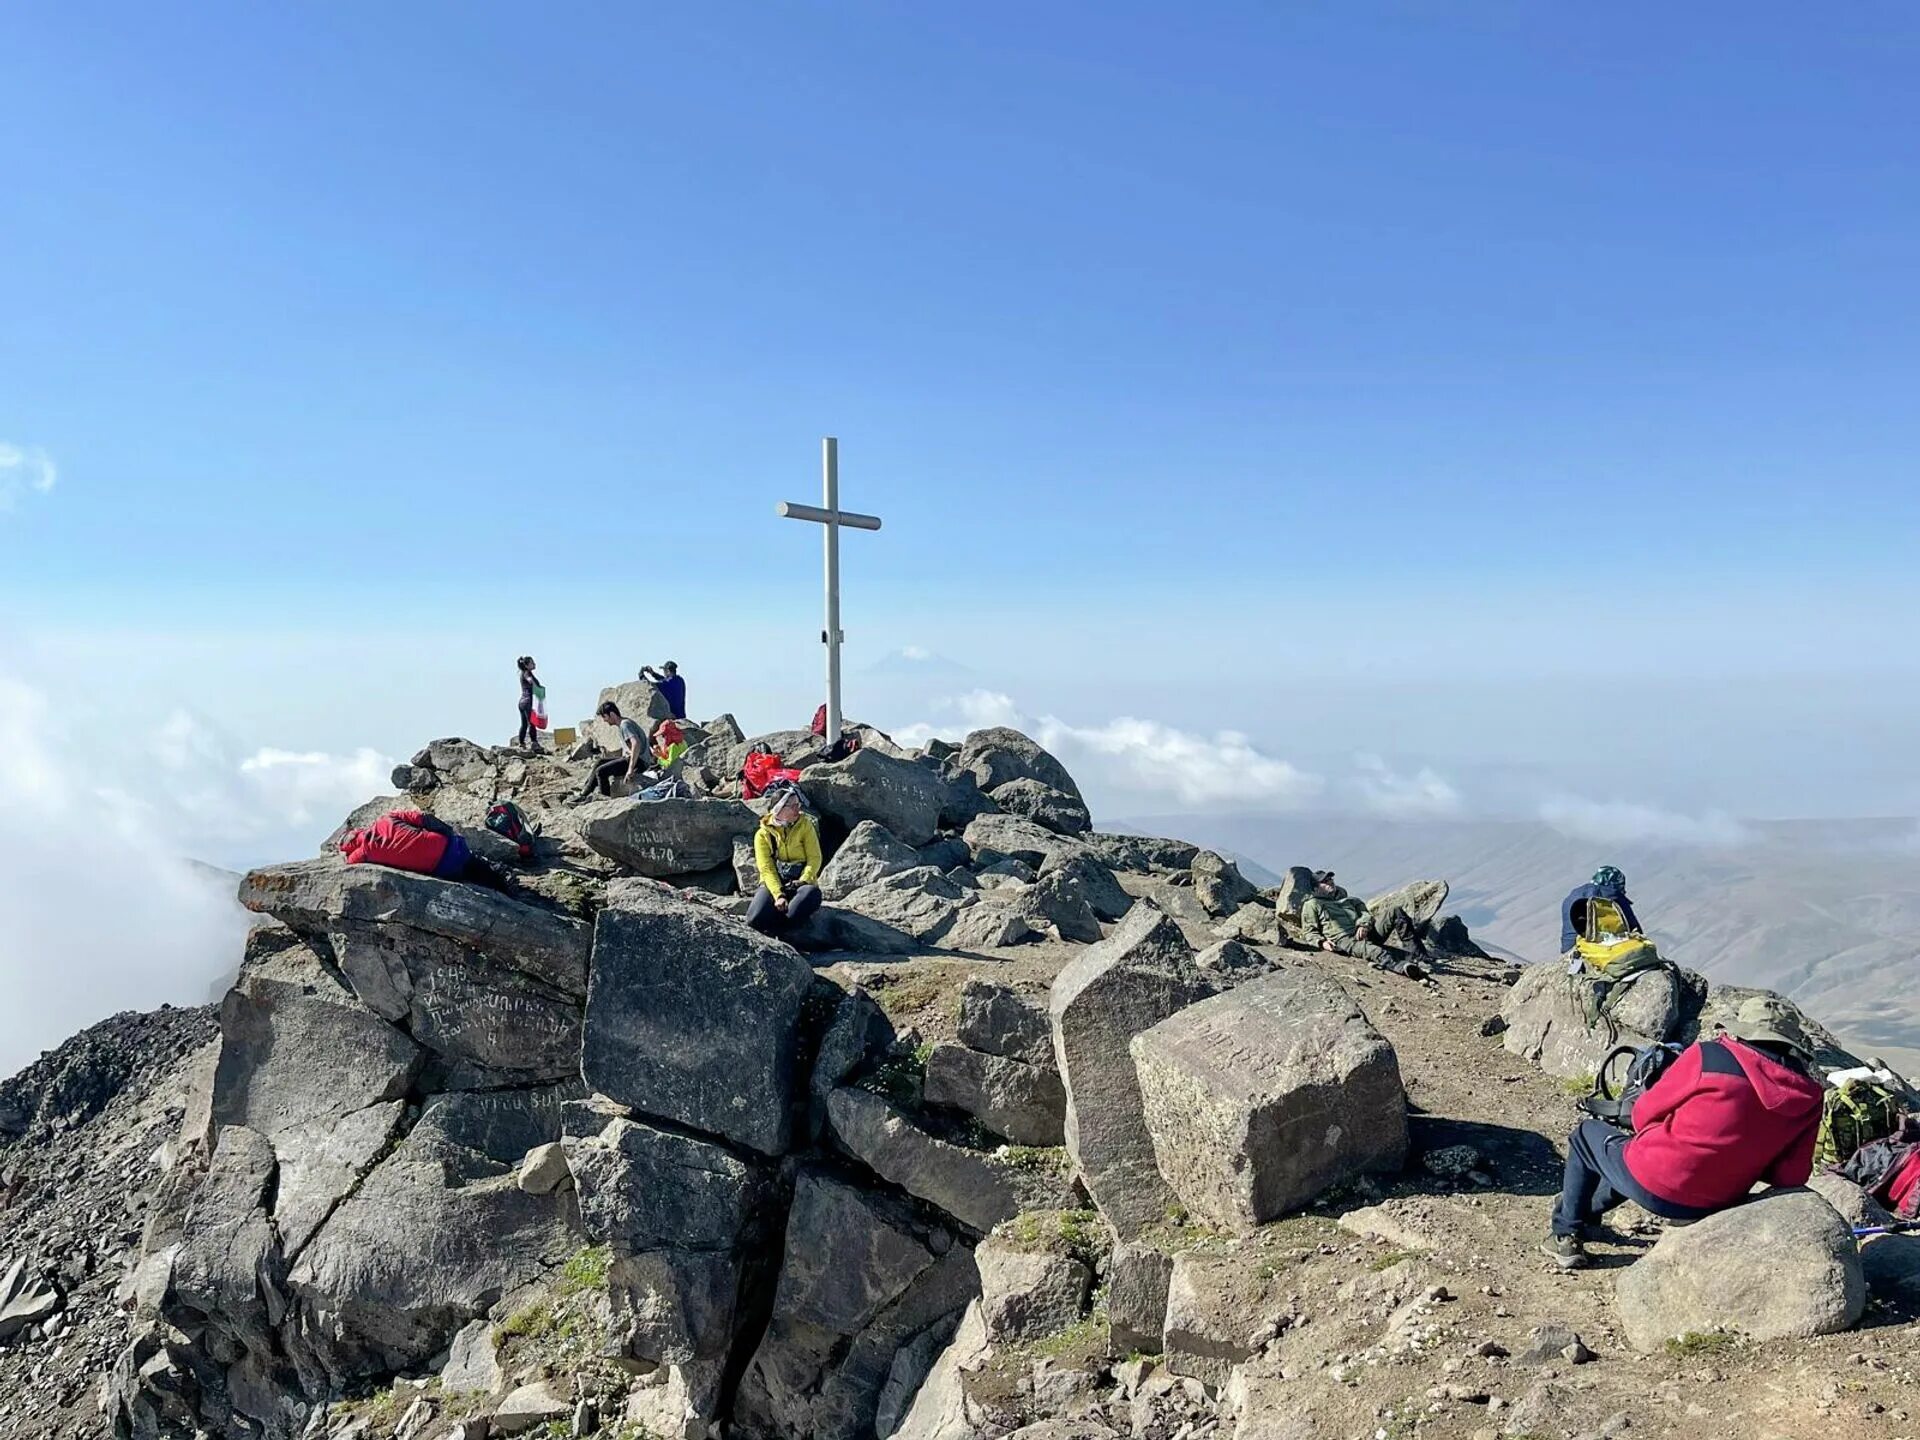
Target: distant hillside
{"points": [[1825, 911]]}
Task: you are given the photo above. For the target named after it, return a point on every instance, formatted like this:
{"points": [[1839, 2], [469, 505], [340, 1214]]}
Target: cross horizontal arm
{"points": [[849, 518]]}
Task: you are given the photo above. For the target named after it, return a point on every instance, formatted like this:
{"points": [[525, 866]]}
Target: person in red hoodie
{"points": [[414, 840], [1730, 1112]]}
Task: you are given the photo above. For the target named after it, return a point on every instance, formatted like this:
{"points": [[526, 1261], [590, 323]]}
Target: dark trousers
{"points": [[527, 730], [1597, 1179], [608, 771], [802, 901]]}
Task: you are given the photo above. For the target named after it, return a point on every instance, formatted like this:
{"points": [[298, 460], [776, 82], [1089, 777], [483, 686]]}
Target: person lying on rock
{"points": [[414, 840], [1732, 1110], [630, 763], [1341, 923], [786, 852]]}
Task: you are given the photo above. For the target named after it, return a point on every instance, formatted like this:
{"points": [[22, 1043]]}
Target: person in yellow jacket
{"points": [[786, 852]]}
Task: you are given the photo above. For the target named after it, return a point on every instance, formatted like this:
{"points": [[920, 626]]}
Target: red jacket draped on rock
{"points": [[1724, 1116], [404, 839]]}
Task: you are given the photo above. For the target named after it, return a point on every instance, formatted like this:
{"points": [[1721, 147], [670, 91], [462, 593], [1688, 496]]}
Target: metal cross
{"points": [[832, 517]]}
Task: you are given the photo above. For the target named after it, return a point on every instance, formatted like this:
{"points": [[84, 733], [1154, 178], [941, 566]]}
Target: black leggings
{"points": [[802, 901], [527, 730]]}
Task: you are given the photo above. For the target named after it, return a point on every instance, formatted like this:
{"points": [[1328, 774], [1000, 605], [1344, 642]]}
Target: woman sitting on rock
{"points": [[786, 852]]}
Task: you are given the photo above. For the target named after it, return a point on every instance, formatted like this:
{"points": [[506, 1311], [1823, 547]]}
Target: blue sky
{"points": [[1345, 375]]}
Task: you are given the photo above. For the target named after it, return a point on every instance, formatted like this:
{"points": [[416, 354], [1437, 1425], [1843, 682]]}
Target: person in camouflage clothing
{"points": [[1341, 923]]}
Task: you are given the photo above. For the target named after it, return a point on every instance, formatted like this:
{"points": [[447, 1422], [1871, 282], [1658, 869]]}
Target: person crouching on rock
{"points": [[629, 764], [1341, 923], [1729, 1111], [414, 840], [786, 852]]}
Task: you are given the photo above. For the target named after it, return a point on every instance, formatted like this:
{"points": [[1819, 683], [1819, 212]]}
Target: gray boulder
{"points": [[960, 1182], [1783, 1266], [1109, 993], [1292, 891], [1254, 923], [433, 1237], [1219, 885], [681, 1215], [318, 896], [989, 925], [695, 1019], [1093, 880], [1260, 1099], [1143, 854], [870, 853], [993, 838], [1058, 901], [904, 798], [665, 838], [1029, 1292], [1137, 1280], [1546, 1015], [832, 929], [921, 902], [1230, 962], [1000, 1021], [1055, 809], [25, 1299], [1421, 899], [229, 1272], [858, 1033], [998, 755], [862, 1277], [1214, 1302], [1024, 1103], [946, 853]]}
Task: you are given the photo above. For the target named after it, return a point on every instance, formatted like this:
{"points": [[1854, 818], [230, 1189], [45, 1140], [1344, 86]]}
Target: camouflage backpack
{"points": [[1855, 1115]]}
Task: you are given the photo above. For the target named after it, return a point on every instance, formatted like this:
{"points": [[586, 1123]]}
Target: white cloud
{"points": [[1618, 822], [1422, 795], [102, 909], [1140, 758], [25, 470]]}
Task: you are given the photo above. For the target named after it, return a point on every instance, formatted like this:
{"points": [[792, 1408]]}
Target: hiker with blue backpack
{"points": [[1735, 1109]]}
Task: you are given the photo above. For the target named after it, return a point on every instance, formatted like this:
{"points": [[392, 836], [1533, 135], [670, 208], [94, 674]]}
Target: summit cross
{"points": [[831, 517]]}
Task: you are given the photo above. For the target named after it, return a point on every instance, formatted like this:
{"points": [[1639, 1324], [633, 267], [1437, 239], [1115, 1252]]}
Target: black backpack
{"points": [[1644, 1067], [505, 820]]}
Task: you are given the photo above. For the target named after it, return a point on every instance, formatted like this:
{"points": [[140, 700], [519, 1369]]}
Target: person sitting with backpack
{"points": [[1597, 910], [414, 840], [786, 852], [1727, 1113], [1342, 924]]}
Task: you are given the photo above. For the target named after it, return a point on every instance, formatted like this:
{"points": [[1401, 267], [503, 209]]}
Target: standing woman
{"points": [[529, 736]]}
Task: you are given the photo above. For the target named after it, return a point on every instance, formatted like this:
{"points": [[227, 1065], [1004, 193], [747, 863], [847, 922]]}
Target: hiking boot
{"points": [[1566, 1251]]}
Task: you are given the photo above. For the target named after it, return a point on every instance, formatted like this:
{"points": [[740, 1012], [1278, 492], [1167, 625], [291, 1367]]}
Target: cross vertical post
{"points": [[830, 493], [831, 518]]}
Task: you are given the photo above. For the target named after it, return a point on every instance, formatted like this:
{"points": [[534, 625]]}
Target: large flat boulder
{"points": [[317, 896], [1783, 1266], [1024, 1103], [920, 902], [665, 838], [1110, 992], [871, 852], [997, 837], [1547, 1024], [963, 1183], [998, 755], [695, 1019], [1260, 1099], [904, 798]]}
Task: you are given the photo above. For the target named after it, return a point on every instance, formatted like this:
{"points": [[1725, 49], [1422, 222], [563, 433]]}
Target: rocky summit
{"points": [[1032, 1131]]}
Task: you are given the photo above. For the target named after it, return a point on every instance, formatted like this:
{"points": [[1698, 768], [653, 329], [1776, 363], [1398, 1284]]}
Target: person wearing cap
{"points": [[1341, 923], [1730, 1111], [786, 852], [672, 688]]}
